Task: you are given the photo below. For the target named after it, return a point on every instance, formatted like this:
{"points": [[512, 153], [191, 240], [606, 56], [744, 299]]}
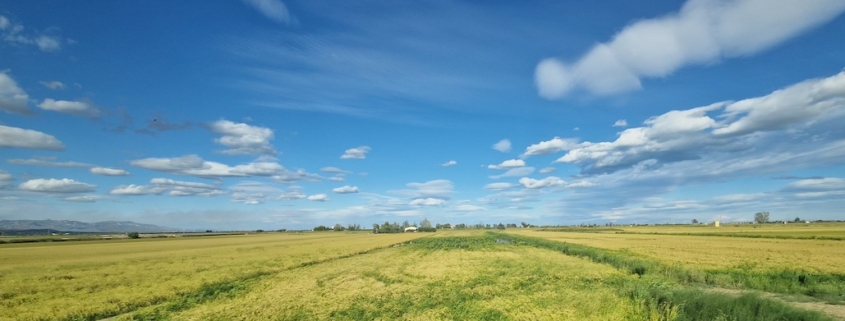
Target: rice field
{"points": [[448, 275]]}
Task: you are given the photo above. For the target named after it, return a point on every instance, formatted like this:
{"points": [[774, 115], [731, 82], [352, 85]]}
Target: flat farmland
{"points": [[447, 275]]}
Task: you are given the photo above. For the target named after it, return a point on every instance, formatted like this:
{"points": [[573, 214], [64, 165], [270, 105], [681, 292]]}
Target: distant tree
{"points": [[487, 226], [525, 224], [694, 221], [133, 235], [209, 231], [406, 224], [321, 228], [500, 226], [761, 217], [375, 229], [797, 219], [338, 227], [259, 231], [438, 226], [282, 230], [447, 225], [425, 223]]}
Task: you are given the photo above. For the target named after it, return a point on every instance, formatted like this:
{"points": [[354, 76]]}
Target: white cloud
{"points": [[550, 181], [182, 188], [26, 138], [503, 146], [136, 190], [106, 171], [13, 99], [427, 202], [46, 161], [76, 108], [52, 185], [621, 123], [176, 164], [826, 183], [499, 186], [346, 189], [5, 179], [516, 172], [193, 165], [84, 198], [291, 195], [338, 178], [359, 152], [439, 188], [552, 146], [13, 33], [248, 198], [243, 139], [548, 170], [449, 163], [468, 208], [508, 164], [702, 32], [318, 198], [334, 170], [272, 9], [683, 135], [54, 85]]}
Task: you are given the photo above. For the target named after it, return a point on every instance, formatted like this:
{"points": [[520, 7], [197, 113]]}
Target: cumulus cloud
{"points": [[182, 188], [346, 189], [14, 33], [136, 190], [291, 195], [621, 123], [515, 172], [54, 85], [52, 185], [439, 188], [702, 32], [449, 163], [334, 170], [508, 164], [684, 135], [27, 138], [359, 152], [318, 198], [84, 198], [272, 9], [46, 161], [193, 165], [547, 170], [550, 181], [243, 139], [503, 146], [106, 171], [13, 99], [499, 186], [5, 179], [76, 108], [427, 202], [551, 146], [248, 198]]}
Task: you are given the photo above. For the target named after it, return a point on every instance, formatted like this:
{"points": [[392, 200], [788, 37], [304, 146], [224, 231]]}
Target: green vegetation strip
{"points": [[658, 298], [746, 235], [161, 308], [828, 287]]}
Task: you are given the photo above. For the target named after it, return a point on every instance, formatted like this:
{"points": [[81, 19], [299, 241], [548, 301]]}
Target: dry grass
{"points": [[47, 281], [711, 252]]}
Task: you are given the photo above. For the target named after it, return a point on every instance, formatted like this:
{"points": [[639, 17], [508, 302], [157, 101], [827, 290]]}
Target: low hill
{"points": [[76, 226]]}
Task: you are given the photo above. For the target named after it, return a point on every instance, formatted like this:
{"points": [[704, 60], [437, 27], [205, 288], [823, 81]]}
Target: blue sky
{"points": [[268, 114]]}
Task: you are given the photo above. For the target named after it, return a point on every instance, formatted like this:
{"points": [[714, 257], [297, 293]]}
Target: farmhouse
{"points": [[411, 229]]}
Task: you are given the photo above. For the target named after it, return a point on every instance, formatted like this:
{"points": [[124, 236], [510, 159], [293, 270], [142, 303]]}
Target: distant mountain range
{"points": [[76, 226]]}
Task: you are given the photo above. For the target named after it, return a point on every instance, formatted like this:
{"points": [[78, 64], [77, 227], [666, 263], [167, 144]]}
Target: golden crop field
{"points": [[714, 252], [47, 281], [447, 275]]}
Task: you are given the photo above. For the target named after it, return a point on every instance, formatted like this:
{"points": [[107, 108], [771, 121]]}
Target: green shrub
{"points": [[133, 235]]}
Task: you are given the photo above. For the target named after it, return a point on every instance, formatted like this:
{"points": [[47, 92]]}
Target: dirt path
{"points": [[835, 311]]}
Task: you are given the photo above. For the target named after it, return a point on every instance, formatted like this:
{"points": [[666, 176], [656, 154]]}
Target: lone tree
{"points": [[425, 223], [761, 217], [133, 235], [797, 219], [694, 221]]}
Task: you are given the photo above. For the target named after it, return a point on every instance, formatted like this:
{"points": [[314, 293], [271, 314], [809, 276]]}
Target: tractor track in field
{"points": [[832, 310], [205, 297]]}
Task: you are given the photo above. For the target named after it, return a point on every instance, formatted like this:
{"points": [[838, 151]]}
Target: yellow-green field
{"points": [[521, 274]]}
